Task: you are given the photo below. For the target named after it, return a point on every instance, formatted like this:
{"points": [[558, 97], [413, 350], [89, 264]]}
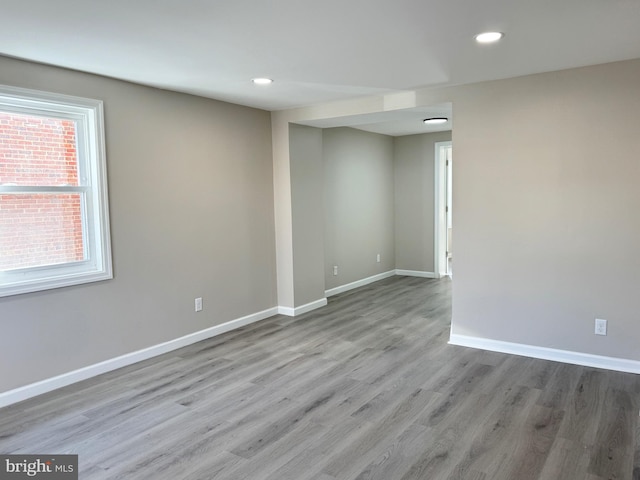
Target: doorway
{"points": [[443, 225]]}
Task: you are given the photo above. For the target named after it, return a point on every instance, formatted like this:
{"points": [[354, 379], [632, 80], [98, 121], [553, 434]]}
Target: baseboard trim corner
{"points": [[292, 312], [416, 273], [359, 283], [545, 353], [49, 384]]}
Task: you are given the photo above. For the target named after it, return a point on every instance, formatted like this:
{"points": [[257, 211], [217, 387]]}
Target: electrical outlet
{"points": [[335, 270], [378, 258], [601, 326], [199, 304]]}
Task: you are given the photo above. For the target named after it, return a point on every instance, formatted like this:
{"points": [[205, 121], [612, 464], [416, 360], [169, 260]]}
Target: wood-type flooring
{"points": [[364, 388]]}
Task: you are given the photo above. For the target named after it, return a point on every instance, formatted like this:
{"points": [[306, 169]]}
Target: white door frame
{"points": [[440, 214]]}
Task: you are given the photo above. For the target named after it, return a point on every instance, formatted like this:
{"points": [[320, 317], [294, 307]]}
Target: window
{"points": [[54, 225]]}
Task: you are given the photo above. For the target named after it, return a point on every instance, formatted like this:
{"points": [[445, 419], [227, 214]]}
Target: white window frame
{"points": [[92, 175]]}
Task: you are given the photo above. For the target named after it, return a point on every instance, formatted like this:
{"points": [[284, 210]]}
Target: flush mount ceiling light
{"points": [[489, 37], [262, 81], [435, 120]]}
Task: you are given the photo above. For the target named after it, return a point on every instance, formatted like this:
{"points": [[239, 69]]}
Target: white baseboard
{"points": [[49, 384], [564, 356], [359, 283], [417, 273], [292, 312], [34, 389]]}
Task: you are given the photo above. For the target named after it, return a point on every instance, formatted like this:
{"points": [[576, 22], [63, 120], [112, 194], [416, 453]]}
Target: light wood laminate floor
{"points": [[365, 388]]}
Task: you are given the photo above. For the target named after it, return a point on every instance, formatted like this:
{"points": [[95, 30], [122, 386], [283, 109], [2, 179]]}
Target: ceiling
{"points": [[408, 121], [316, 51]]}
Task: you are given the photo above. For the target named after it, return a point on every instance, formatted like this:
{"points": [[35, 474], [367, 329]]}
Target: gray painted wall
{"points": [[414, 157], [307, 209], [547, 202], [359, 204], [546, 217], [546, 199], [191, 204]]}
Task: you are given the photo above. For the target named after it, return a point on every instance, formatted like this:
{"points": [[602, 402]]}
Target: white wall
{"points": [[191, 204]]}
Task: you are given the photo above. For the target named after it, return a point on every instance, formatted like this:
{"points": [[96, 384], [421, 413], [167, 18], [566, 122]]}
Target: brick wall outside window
{"points": [[43, 228]]}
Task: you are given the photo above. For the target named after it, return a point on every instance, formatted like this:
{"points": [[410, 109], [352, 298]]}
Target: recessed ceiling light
{"points": [[435, 120], [489, 37], [262, 81]]}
